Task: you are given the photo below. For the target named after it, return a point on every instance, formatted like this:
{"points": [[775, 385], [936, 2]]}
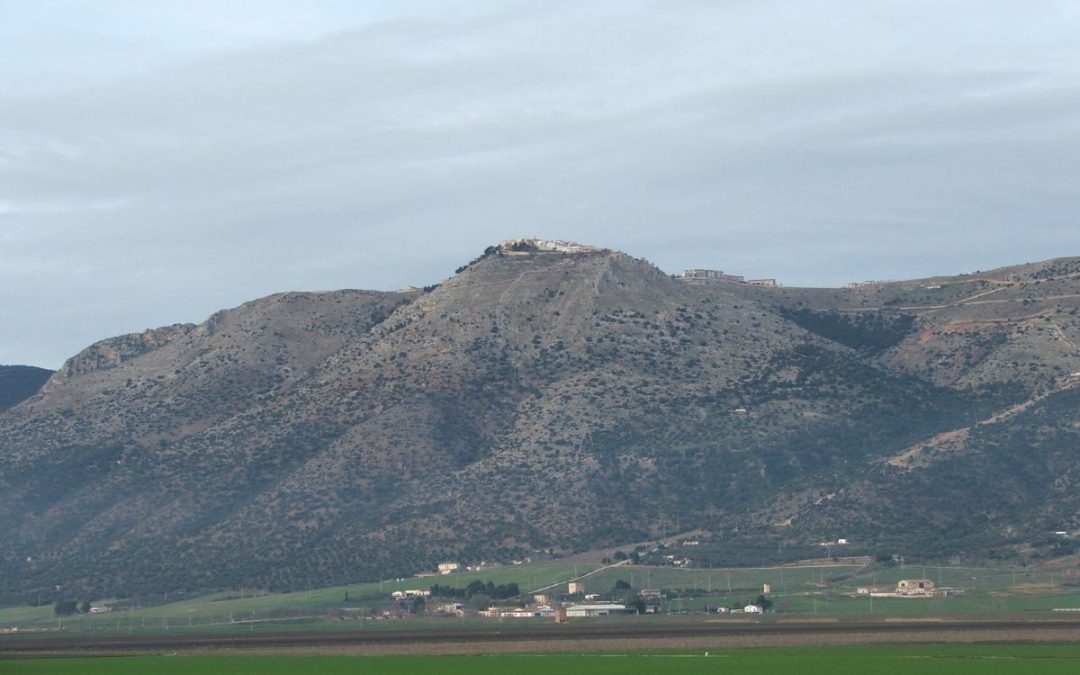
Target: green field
{"points": [[222, 609], [884, 660], [824, 590]]}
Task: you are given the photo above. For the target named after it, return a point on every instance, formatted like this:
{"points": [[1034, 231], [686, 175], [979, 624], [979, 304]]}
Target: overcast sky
{"points": [[162, 160]]}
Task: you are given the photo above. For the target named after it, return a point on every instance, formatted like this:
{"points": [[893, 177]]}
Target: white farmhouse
{"points": [[449, 567]]}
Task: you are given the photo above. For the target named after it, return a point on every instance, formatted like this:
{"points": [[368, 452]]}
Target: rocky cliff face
{"points": [[542, 399]]}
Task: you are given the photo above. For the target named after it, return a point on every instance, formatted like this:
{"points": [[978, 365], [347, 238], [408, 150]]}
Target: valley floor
{"points": [[879, 659]]}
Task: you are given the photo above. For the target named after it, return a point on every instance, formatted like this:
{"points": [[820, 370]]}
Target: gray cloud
{"points": [[818, 142]]}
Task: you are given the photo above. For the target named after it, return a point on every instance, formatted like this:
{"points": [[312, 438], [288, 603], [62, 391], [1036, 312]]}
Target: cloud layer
{"points": [[202, 160]]}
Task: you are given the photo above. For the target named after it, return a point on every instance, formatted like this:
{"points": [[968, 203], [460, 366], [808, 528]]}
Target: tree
{"points": [[66, 607], [480, 601], [85, 607], [619, 555], [474, 587]]}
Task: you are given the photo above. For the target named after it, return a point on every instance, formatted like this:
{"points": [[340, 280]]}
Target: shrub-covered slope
{"points": [[542, 401], [18, 383]]}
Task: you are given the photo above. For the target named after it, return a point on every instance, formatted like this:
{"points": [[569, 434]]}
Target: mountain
{"points": [[18, 383], [554, 397]]}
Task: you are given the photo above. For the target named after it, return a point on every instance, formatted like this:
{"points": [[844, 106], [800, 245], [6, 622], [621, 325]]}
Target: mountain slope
{"points": [[536, 400], [18, 383]]}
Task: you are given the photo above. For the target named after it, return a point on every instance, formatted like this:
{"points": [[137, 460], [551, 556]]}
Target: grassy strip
{"points": [[884, 660]]}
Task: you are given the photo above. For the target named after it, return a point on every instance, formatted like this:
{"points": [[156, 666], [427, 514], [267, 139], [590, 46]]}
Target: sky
{"points": [[163, 160]]}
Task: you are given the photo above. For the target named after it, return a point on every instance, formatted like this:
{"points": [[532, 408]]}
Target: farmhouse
{"points": [[915, 587]]}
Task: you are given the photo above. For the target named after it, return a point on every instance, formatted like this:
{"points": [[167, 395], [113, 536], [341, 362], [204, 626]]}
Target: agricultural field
{"points": [[238, 609], [822, 590], [881, 660]]}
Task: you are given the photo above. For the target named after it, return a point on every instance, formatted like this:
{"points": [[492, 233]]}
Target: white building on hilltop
{"points": [[543, 246]]}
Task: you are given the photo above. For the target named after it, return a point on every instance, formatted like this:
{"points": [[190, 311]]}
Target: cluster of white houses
{"points": [[545, 606], [702, 276], [579, 604], [526, 246], [584, 610], [574, 610]]}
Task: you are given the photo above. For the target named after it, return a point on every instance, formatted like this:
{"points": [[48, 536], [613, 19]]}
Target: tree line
{"points": [[495, 592]]}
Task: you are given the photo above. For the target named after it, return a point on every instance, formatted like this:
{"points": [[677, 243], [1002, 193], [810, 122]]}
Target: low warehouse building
{"points": [[599, 609]]}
